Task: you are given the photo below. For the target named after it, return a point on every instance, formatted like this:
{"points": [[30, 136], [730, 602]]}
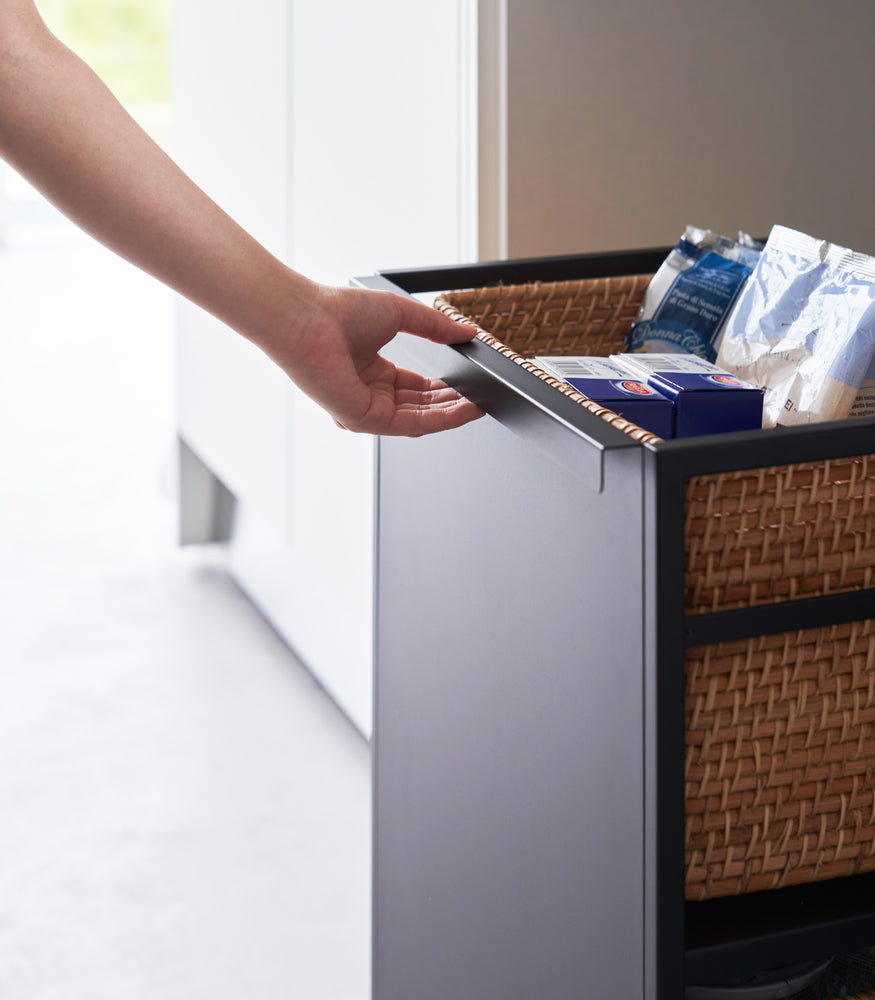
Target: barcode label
{"points": [[666, 364], [683, 363], [567, 367], [579, 367]]}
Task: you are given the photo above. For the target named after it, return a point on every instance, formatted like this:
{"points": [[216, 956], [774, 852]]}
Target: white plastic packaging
{"points": [[803, 328]]}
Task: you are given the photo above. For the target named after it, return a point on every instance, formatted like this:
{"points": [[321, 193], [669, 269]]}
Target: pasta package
{"points": [[803, 328], [688, 300]]}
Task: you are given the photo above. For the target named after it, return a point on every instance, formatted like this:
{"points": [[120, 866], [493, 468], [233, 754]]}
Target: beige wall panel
{"points": [[629, 119]]}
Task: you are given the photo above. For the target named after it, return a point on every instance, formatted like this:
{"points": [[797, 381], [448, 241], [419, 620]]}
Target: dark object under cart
{"points": [[624, 736]]}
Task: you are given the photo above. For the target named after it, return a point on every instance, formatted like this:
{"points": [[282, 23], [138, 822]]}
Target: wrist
{"points": [[283, 313]]}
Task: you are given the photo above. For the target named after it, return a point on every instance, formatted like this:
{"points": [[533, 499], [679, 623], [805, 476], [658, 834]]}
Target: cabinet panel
{"points": [[229, 114], [343, 137], [383, 141]]}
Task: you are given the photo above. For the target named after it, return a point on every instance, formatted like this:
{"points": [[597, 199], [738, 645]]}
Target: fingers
{"points": [[411, 420], [424, 321], [417, 419], [426, 405], [431, 397], [413, 387], [414, 406]]}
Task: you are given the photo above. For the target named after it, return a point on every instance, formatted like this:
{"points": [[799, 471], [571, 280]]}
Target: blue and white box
{"points": [[611, 385], [707, 399]]}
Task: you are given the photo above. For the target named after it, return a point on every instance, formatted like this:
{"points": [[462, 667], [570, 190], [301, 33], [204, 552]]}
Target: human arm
{"points": [[62, 129]]}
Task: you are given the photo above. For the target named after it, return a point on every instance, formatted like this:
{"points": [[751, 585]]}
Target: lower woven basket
{"points": [[780, 729], [780, 760]]}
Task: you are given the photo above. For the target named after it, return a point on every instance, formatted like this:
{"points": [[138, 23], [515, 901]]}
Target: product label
{"points": [[864, 404], [636, 388], [679, 364], [667, 336], [579, 367], [693, 310]]}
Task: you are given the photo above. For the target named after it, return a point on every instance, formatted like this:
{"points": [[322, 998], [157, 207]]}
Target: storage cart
{"points": [[624, 732]]}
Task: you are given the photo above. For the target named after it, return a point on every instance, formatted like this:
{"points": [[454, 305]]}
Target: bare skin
{"points": [[62, 129]]}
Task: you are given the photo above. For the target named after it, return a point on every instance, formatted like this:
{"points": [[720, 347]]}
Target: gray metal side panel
{"points": [[508, 748]]}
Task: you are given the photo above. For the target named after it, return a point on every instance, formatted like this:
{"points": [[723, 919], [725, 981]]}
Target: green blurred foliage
{"points": [[126, 42]]}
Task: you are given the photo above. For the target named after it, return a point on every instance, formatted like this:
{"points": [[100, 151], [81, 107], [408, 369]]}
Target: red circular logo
{"points": [[637, 387]]}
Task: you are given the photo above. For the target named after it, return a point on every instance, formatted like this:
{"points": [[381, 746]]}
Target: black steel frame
{"points": [[684, 942]]}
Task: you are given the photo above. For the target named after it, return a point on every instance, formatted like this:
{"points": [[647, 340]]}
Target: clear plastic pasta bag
{"points": [[803, 328], [688, 300]]}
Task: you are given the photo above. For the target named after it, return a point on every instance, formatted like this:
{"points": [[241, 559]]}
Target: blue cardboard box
{"points": [[707, 399], [611, 385]]}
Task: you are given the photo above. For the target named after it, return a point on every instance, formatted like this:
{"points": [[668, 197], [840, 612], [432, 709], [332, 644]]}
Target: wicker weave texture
{"points": [[590, 316], [780, 760], [764, 535], [585, 317]]}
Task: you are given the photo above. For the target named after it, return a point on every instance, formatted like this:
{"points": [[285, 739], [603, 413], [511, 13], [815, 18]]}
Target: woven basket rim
{"points": [[450, 303]]}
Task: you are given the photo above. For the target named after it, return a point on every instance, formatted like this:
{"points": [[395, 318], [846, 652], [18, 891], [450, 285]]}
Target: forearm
{"points": [[64, 131]]}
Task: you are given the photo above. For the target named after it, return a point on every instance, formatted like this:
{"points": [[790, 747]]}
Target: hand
{"points": [[333, 356]]}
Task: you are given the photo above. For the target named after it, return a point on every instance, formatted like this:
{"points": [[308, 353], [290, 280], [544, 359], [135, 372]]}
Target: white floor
{"points": [[183, 813]]}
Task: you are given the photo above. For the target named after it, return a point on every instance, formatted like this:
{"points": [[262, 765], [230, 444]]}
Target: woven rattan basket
{"points": [[780, 730], [590, 316]]}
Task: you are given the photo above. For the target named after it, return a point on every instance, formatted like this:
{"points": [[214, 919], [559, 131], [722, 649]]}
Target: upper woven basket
{"points": [[589, 316]]}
